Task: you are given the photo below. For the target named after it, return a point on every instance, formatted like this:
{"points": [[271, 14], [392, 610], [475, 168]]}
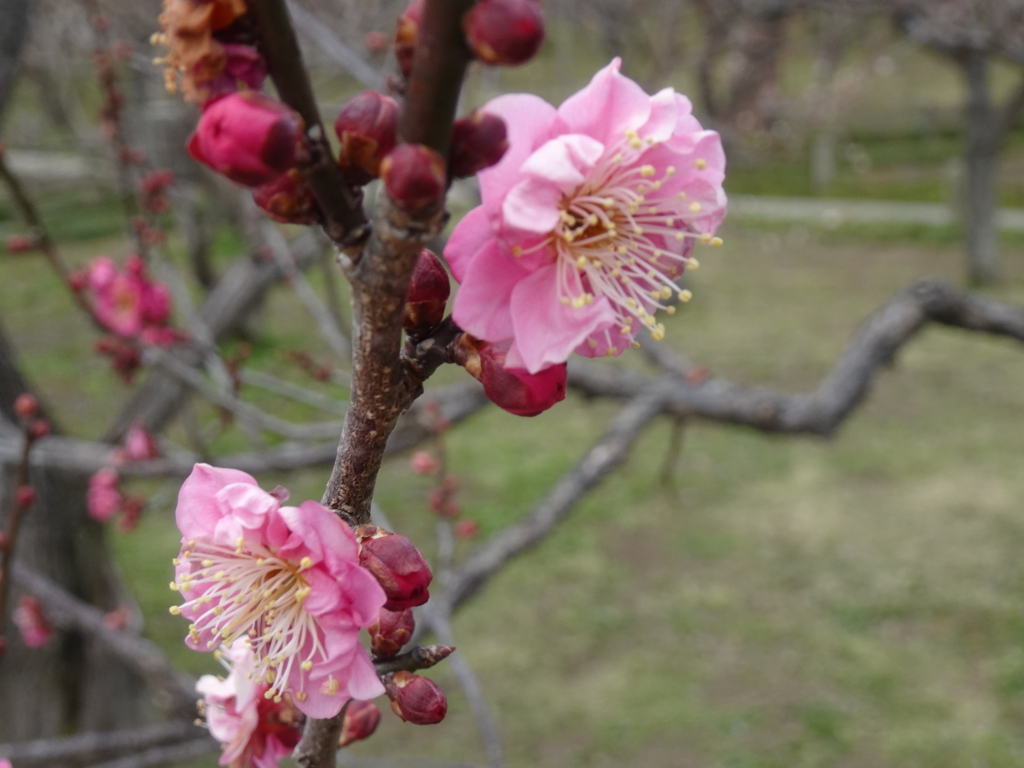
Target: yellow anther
{"points": [[658, 333], [679, 235], [635, 143], [597, 263], [301, 696], [581, 262], [638, 230], [655, 185], [692, 263], [218, 575], [716, 242], [705, 238], [207, 563], [175, 562], [629, 321], [191, 542], [647, 171], [670, 170], [617, 158], [565, 300], [609, 203], [218, 610], [592, 343], [649, 321], [592, 219], [569, 236], [631, 302], [670, 310], [636, 345], [622, 249], [305, 563], [175, 610], [616, 272], [174, 587], [588, 299], [307, 665], [624, 330], [332, 687], [517, 251], [631, 133], [685, 295], [701, 163], [695, 206], [610, 352], [682, 195]]}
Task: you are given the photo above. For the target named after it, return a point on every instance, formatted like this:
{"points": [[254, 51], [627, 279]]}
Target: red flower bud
{"points": [[40, 428], [26, 406], [406, 33], [367, 128], [392, 630], [428, 294], [424, 463], [414, 176], [288, 199], [479, 140], [398, 566], [507, 32], [248, 137], [25, 496], [361, 720], [513, 389], [415, 699], [467, 529], [20, 244]]}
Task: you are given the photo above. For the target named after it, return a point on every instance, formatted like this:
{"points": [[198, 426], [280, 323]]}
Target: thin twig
{"points": [[17, 514], [293, 391], [420, 657]]}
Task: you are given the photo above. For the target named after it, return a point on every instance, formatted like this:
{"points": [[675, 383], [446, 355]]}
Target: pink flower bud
{"points": [[360, 721], [39, 429], [392, 630], [415, 699], [28, 616], [467, 529], [428, 295], [103, 498], [118, 619], [367, 128], [424, 463], [248, 137], [406, 33], [288, 199], [506, 32], [25, 496], [20, 244], [397, 565], [479, 140], [414, 176], [26, 406], [139, 445], [514, 389], [132, 508]]}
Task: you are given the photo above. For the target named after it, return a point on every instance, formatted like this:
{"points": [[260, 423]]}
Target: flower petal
{"points": [[607, 107], [197, 512], [468, 237], [528, 120], [564, 161], [482, 304], [532, 206]]}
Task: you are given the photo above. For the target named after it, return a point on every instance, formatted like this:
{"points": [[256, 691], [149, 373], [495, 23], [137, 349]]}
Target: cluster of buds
{"points": [[34, 426], [35, 630], [125, 357], [443, 497], [104, 498], [515, 390], [153, 190], [128, 302], [397, 565]]}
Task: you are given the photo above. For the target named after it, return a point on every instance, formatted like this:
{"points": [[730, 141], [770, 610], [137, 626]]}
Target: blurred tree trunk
{"points": [[13, 34], [981, 146], [71, 683]]}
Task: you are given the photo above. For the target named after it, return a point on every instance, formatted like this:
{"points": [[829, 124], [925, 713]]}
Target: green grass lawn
{"points": [[786, 602]]}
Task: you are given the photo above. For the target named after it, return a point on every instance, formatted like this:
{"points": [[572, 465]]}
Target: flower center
{"points": [[255, 594]]}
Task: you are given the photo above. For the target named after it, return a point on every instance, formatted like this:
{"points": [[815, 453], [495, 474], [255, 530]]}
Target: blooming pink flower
{"points": [[255, 731], [286, 577], [587, 221], [35, 629], [4, 763], [127, 302], [103, 498]]}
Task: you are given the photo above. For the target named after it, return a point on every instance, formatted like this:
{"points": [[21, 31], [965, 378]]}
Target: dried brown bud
{"points": [[414, 177], [479, 140], [366, 127], [505, 32]]}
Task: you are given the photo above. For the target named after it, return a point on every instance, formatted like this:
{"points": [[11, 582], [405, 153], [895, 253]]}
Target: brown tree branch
{"points": [[420, 657]]}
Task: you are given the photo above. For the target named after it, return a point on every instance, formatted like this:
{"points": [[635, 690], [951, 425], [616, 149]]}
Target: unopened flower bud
{"points": [[516, 390], [288, 199], [414, 176], [248, 137], [479, 140], [25, 496], [424, 463], [26, 406], [415, 699], [466, 529], [20, 244], [360, 721], [504, 32], [367, 128], [428, 295], [392, 630], [39, 429], [406, 33], [397, 564], [28, 617]]}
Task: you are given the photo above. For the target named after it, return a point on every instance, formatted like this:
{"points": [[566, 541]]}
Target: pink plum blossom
{"points": [[139, 445], [587, 222], [127, 302], [288, 578], [103, 498], [255, 731], [35, 629]]}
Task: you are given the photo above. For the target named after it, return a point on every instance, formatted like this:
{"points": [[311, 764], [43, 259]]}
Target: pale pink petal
{"points": [[547, 331], [482, 304], [322, 532], [247, 503], [664, 115], [532, 206], [468, 237], [606, 108], [197, 512], [528, 120], [365, 594], [363, 682], [564, 161]]}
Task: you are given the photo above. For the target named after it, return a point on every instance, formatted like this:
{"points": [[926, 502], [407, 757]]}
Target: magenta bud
{"points": [[26, 406], [20, 244], [407, 31], [466, 529], [504, 32], [415, 699], [516, 390], [367, 128], [479, 140], [397, 565], [25, 496], [288, 199], [392, 630], [360, 721], [424, 463], [428, 295], [39, 429], [414, 176], [247, 137]]}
